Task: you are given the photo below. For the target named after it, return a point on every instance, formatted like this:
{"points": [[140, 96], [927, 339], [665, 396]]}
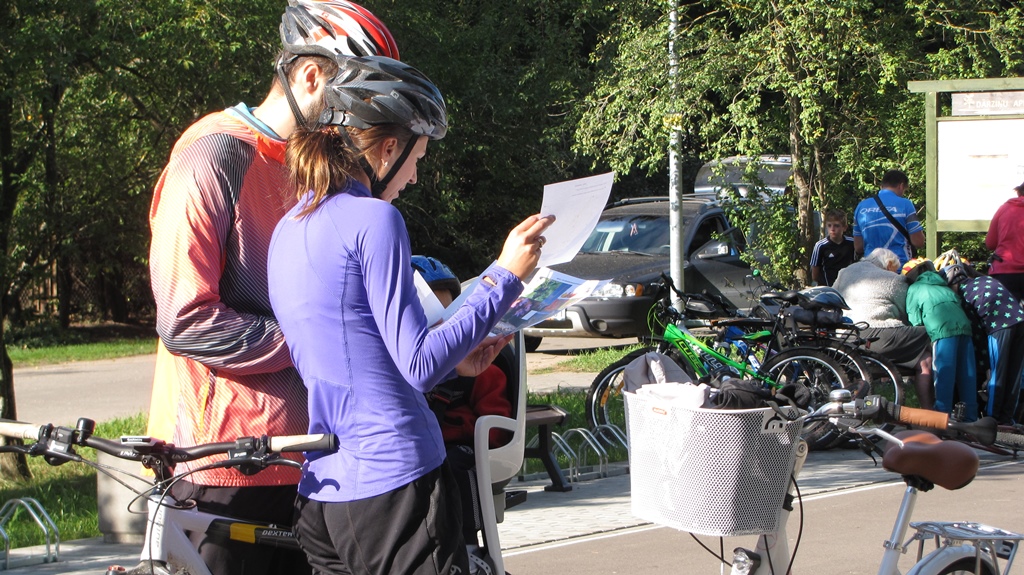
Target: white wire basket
{"points": [[708, 471]]}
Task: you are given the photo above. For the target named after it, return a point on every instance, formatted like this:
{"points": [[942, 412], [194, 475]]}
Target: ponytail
{"points": [[322, 160]]}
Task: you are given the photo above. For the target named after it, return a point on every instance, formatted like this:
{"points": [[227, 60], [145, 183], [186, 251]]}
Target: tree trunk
{"points": [[11, 167], [804, 206]]}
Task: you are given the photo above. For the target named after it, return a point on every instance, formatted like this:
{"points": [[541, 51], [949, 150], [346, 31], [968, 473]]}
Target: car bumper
{"points": [[598, 317]]}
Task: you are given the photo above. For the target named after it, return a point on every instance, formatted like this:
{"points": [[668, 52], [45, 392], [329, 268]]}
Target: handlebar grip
{"points": [[19, 429], [922, 417], [315, 442]]}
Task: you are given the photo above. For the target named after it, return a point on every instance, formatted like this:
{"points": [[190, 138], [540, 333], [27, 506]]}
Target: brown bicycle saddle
{"points": [[948, 464]]}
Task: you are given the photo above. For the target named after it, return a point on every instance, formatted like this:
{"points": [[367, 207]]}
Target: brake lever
{"points": [[870, 448]]}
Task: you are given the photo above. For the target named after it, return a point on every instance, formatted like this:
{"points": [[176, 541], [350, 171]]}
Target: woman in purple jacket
{"points": [[341, 285]]}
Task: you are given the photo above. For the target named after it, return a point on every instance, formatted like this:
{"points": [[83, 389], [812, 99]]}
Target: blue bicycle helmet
{"points": [[437, 275]]}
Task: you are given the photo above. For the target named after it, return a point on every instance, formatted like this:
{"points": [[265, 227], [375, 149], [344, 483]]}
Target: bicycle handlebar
{"points": [[245, 449], [19, 429], [297, 443], [877, 408]]}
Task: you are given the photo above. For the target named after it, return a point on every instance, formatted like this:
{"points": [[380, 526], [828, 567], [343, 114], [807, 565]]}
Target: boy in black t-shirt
{"points": [[834, 252]]}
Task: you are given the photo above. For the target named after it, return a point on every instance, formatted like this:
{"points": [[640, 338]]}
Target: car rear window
{"points": [[629, 233]]}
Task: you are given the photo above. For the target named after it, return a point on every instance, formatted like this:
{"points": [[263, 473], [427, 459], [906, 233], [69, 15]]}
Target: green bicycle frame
{"points": [[700, 357]]}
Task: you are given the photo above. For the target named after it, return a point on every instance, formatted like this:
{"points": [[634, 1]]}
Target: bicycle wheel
{"points": [[886, 379], [967, 567], [852, 361], [820, 374], [604, 403]]}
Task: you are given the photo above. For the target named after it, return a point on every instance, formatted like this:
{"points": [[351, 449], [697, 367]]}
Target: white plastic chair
{"points": [[501, 463]]}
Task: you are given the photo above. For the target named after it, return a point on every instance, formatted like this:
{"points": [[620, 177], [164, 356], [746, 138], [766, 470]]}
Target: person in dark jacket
{"points": [[993, 309]]}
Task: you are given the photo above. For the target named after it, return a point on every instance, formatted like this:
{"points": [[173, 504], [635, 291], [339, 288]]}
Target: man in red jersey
{"points": [[223, 368]]}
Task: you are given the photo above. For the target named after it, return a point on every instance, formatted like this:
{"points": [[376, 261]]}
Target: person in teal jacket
{"points": [[930, 302]]}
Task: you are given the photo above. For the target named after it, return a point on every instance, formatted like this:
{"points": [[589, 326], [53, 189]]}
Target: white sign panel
{"points": [[987, 103], [980, 161]]}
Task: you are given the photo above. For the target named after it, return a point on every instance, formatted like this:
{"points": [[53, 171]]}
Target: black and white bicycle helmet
{"points": [[376, 91], [955, 274], [824, 297], [334, 28]]}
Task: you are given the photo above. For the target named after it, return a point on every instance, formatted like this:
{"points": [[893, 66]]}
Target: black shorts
{"points": [[271, 505], [904, 345], [413, 530]]}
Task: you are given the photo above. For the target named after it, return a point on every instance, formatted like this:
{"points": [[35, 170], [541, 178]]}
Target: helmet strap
{"points": [[300, 120], [377, 186]]}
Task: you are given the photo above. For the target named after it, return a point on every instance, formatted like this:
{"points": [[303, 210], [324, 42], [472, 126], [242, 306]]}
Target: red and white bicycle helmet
{"points": [[333, 28]]}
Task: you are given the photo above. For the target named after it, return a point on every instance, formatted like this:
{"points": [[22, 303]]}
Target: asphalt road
{"points": [[843, 528], [106, 389], [843, 533]]}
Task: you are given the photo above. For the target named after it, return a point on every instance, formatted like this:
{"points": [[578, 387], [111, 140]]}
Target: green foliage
{"points": [[773, 245], [45, 342], [822, 80], [970, 245], [510, 73], [102, 88], [67, 492]]}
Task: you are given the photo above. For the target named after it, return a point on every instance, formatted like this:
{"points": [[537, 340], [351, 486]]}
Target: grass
{"points": [[28, 357], [67, 492], [45, 342], [592, 361]]}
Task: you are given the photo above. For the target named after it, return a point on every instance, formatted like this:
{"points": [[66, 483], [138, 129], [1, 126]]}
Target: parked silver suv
{"points": [[630, 246]]}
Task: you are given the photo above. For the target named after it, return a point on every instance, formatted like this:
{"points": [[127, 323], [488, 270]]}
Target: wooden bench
{"points": [[543, 417]]}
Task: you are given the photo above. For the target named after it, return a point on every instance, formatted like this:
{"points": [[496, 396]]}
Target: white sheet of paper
{"points": [[576, 205], [431, 305]]}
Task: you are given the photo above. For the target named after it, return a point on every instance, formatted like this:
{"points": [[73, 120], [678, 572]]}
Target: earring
{"points": [[385, 164]]}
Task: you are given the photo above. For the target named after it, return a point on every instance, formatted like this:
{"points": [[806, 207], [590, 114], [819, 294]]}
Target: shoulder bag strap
{"points": [[899, 227]]}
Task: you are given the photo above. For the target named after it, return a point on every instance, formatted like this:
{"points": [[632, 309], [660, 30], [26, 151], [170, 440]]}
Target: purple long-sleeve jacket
{"points": [[341, 286]]}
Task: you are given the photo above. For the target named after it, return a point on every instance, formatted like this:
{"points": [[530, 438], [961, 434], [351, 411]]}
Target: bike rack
{"points": [[574, 462], [602, 431], [558, 446], [594, 444], [43, 521]]}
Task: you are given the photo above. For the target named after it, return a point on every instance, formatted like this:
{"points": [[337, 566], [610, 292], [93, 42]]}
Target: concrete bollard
{"points": [[117, 523]]}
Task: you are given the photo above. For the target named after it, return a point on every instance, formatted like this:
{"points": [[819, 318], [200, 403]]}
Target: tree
{"points": [[92, 94], [510, 73], [821, 80]]}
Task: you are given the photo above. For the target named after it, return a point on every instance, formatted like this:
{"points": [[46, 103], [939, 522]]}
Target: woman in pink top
{"points": [[1006, 239]]}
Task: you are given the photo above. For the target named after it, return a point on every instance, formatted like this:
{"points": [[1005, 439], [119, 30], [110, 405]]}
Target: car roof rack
{"points": [[701, 198]]}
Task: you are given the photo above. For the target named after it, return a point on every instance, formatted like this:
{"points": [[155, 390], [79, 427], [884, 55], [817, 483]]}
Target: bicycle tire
{"points": [[886, 378], [860, 373], [604, 403], [1010, 440], [967, 567], [820, 374]]}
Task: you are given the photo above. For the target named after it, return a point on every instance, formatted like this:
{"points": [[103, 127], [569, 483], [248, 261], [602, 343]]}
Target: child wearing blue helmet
{"points": [[458, 403]]}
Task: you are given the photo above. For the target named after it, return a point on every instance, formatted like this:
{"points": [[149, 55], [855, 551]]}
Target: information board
{"points": [[979, 163]]}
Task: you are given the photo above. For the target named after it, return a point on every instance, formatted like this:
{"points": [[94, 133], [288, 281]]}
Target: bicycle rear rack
{"points": [[994, 542], [42, 520]]}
